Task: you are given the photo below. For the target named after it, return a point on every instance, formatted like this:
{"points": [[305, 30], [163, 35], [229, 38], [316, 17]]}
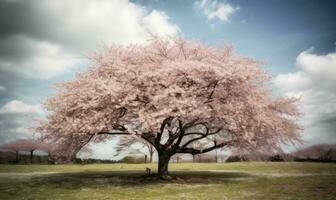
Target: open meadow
{"points": [[248, 180]]}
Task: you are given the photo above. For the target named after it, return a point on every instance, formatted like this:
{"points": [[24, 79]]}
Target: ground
{"points": [[253, 180]]}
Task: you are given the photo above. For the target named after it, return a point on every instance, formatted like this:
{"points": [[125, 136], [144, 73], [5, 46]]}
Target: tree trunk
{"points": [[145, 158], [216, 156], [50, 158], [31, 156], [163, 166], [193, 157], [17, 157], [151, 156]]}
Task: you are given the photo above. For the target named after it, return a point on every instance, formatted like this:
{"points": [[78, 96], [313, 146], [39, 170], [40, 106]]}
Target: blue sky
{"points": [[275, 31], [44, 42]]}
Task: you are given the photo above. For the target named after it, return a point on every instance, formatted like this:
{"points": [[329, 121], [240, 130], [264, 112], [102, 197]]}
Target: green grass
{"points": [[264, 167], [255, 180]]}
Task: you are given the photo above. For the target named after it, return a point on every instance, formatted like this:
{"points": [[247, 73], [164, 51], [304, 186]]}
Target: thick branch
{"points": [[191, 124], [165, 122], [180, 136], [197, 138], [213, 90], [150, 138], [80, 147], [113, 133], [197, 151], [202, 135], [119, 127], [194, 124]]}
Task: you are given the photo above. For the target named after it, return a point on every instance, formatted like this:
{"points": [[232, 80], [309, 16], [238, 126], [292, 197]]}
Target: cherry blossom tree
{"points": [[12, 147], [25, 145], [65, 149], [323, 152], [172, 93]]}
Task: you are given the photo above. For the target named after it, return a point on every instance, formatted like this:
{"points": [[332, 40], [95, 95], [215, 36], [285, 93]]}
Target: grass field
{"points": [[255, 180]]}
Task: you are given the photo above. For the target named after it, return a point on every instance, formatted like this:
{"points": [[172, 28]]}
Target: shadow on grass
{"points": [[135, 178]]}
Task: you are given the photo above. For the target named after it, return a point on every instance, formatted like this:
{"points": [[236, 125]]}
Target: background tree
{"points": [[222, 154], [196, 145], [65, 149], [25, 145], [12, 146], [322, 152], [177, 158], [171, 93]]}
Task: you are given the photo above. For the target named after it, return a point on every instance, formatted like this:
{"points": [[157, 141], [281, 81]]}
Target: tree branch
{"points": [[80, 147], [213, 90], [180, 136], [113, 133], [199, 133], [150, 138], [197, 151], [163, 125]]}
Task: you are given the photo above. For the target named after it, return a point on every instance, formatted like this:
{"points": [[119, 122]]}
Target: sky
{"points": [[43, 42]]}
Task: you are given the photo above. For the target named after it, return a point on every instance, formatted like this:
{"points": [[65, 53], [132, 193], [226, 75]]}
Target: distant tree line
{"points": [[20, 154], [314, 153], [8, 157]]}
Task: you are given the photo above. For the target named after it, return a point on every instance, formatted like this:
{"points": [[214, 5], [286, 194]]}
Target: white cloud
{"points": [[72, 29], [19, 107], [86, 24], [158, 23], [296, 81], [315, 83], [318, 67], [213, 9]]}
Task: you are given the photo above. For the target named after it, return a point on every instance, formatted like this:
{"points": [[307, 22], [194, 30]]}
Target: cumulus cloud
{"points": [[55, 34], [19, 107], [215, 10], [315, 84], [158, 23], [296, 81], [318, 67], [87, 24]]}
